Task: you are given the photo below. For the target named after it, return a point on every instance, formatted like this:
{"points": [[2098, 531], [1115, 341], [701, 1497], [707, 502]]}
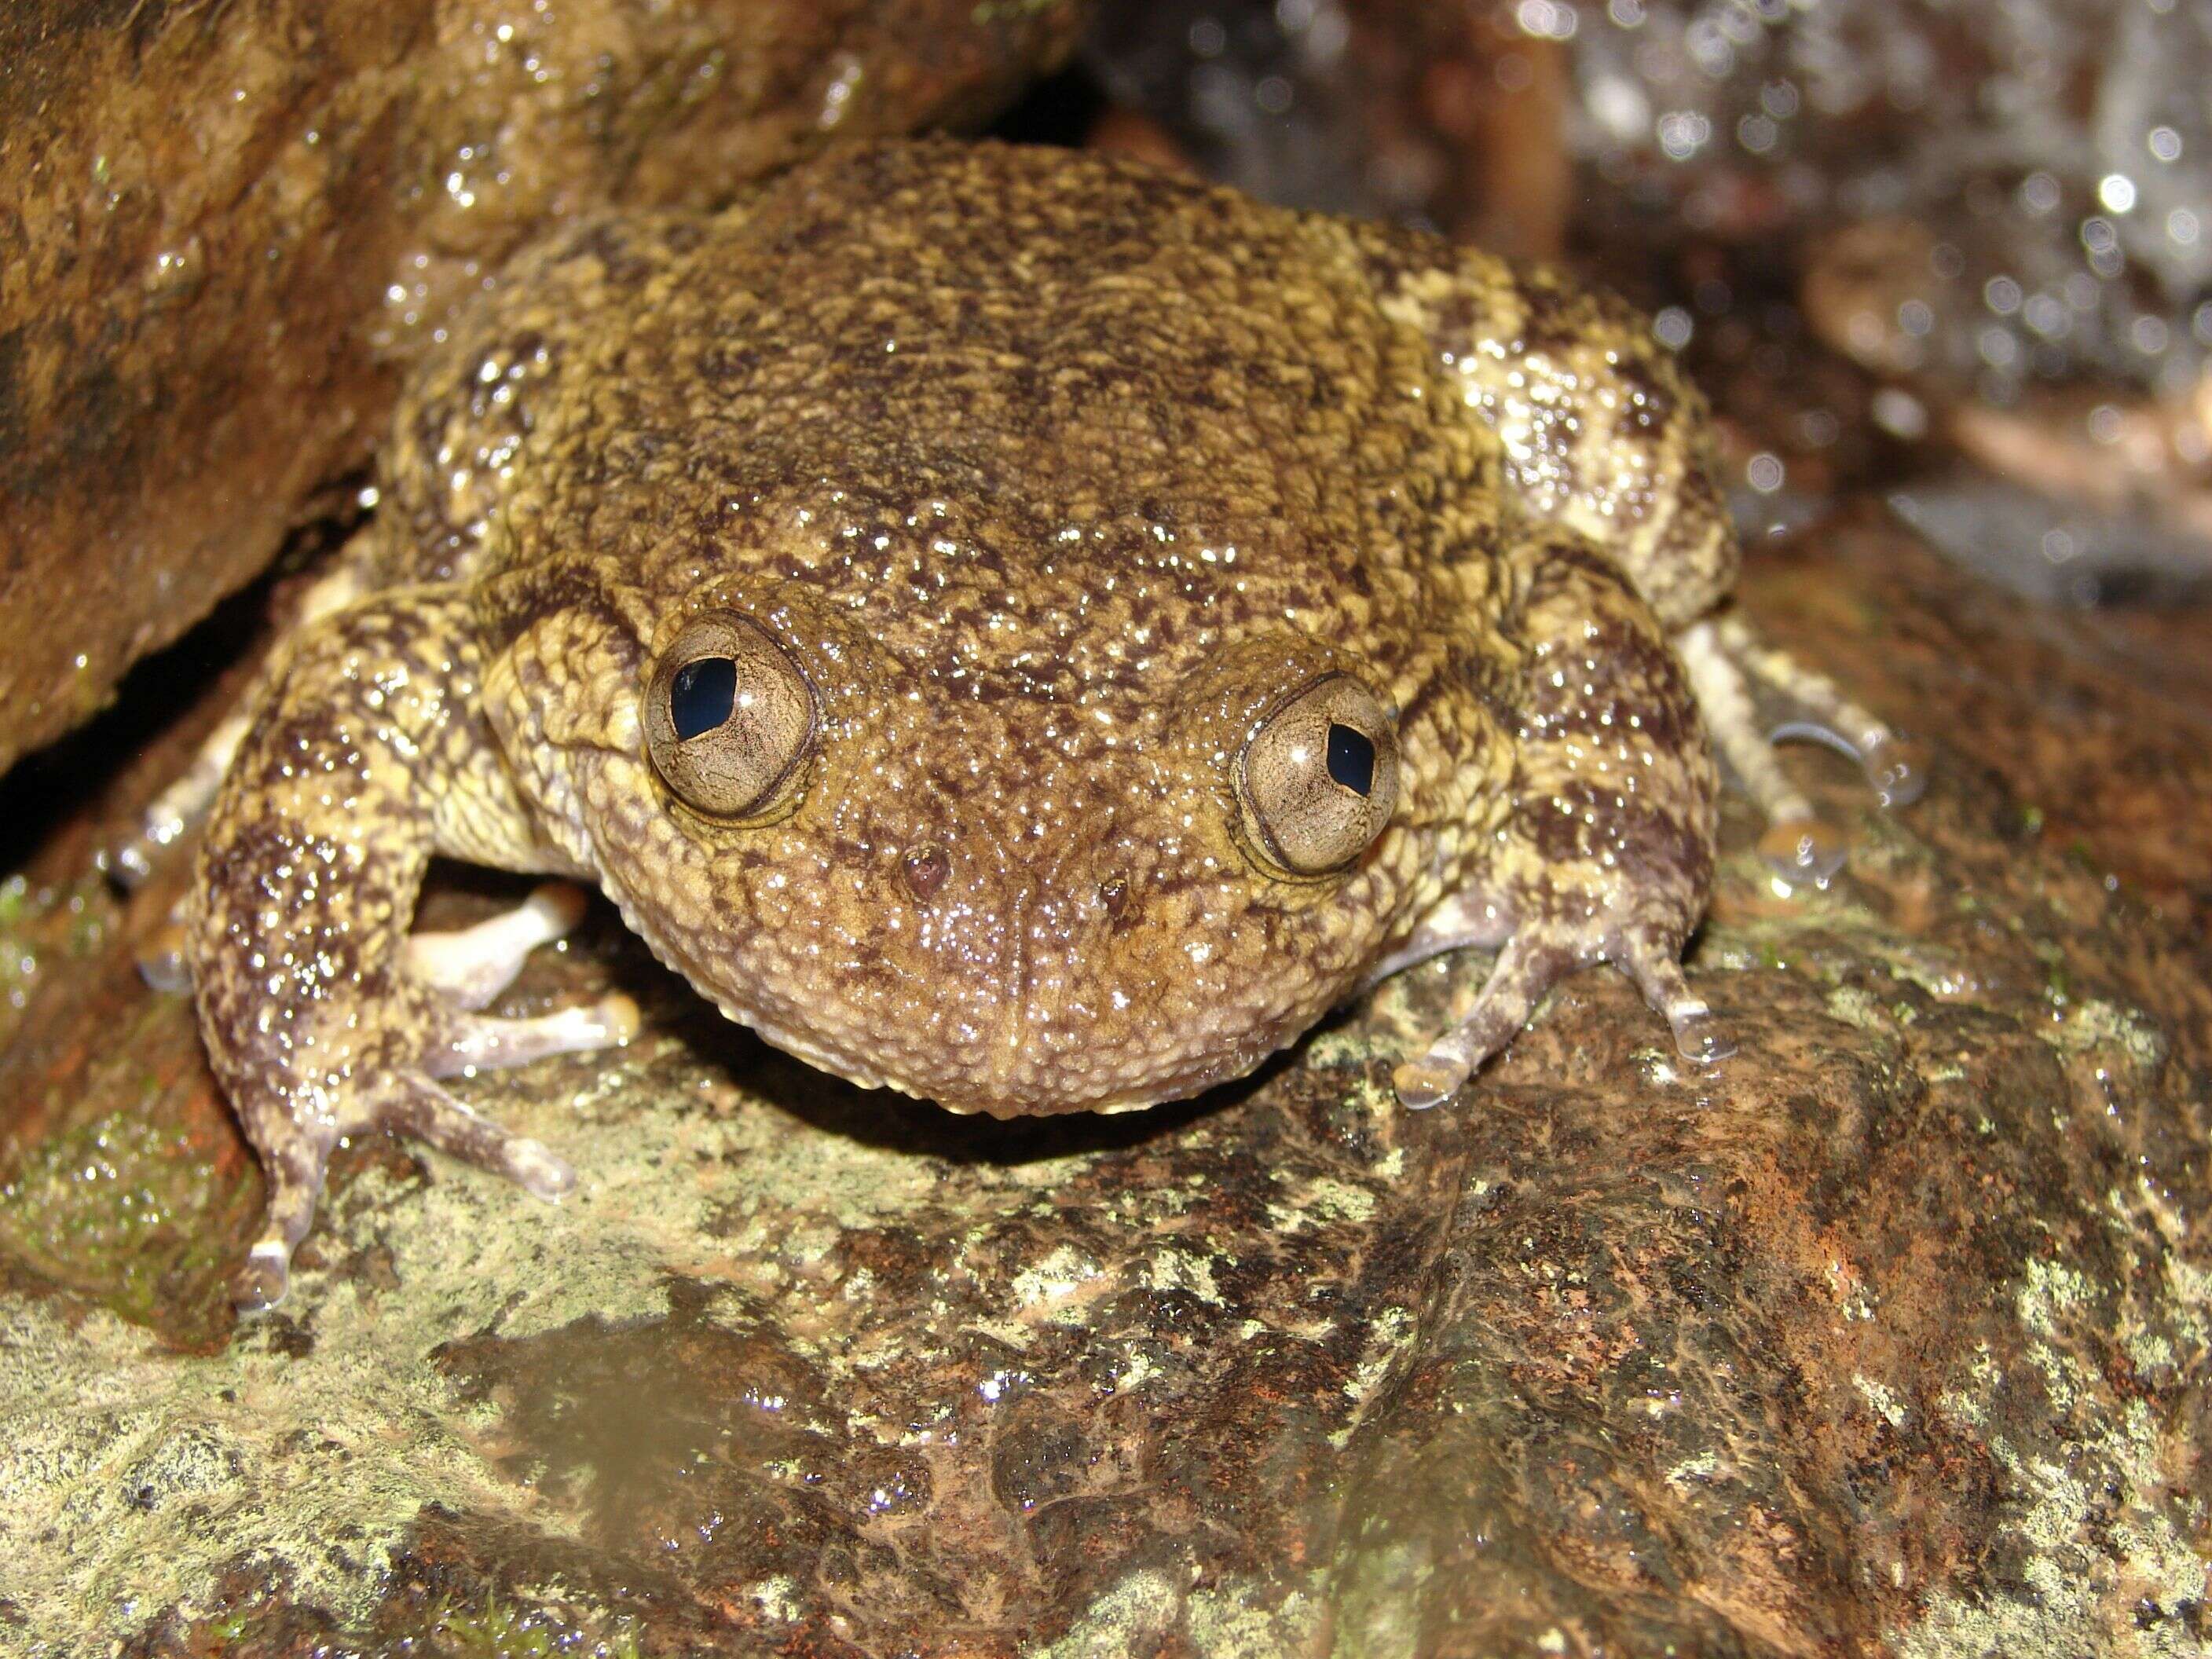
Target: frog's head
{"points": [[1013, 887]]}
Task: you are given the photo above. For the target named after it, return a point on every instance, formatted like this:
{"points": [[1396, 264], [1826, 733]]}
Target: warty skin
{"points": [[1029, 493]]}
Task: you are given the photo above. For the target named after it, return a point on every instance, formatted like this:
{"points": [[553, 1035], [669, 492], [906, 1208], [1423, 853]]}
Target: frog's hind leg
{"points": [[1896, 767], [1605, 435], [1797, 840], [1723, 656], [181, 807]]}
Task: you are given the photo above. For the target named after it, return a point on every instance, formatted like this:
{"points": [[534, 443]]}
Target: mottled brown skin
{"points": [[1054, 477]]}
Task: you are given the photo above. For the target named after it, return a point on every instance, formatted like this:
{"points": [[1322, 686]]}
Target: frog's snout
{"points": [[1004, 935]]}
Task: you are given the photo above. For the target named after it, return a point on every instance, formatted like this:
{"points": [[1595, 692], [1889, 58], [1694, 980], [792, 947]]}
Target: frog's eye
{"points": [[1317, 781], [727, 716]]}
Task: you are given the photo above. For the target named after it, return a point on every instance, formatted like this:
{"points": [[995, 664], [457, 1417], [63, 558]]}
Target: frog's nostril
{"points": [[1113, 893], [925, 868]]}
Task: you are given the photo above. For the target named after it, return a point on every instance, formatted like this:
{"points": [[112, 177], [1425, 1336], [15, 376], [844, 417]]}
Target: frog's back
{"points": [[1048, 418]]}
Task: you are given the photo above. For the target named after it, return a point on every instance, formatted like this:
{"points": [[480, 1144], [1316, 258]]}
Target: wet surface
{"points": [[1892, 1333], [1892, 1329]]}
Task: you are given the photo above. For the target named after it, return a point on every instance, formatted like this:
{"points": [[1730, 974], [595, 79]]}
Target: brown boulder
{"points": [[227, 227]]}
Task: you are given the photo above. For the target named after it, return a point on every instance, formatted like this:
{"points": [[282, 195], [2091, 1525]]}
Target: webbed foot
{"points": [[408, 1100], [1521, 975], [409, 1104]]}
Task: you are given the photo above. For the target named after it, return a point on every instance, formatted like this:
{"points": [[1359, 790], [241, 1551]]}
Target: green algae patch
{"points": [[501, 1631], [2110, 1550], [131, 1480], [135, 1214], [39, 927]]}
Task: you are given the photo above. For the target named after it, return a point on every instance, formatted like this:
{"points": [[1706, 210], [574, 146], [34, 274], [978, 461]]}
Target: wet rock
{"points": [[1449, 116], [2045, 160], [229, 227], [1893, 1333]]}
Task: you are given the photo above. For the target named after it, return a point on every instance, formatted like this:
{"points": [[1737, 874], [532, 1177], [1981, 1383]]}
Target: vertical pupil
{"points": [[701, 695], [1351, 758]]}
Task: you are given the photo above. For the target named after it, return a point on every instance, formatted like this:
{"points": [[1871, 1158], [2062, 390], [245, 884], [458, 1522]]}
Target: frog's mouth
{"points": [[1026, 1009], [1014, 1090]]}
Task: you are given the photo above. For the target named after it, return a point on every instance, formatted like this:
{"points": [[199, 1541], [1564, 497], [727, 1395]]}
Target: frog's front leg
{"points": [[1603, 433], [322, 1018], [1608, 853]]}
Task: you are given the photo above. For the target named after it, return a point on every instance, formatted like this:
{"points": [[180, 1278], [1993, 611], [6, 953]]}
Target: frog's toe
{"points": [[1652, 957], [1898, 767], [264, 1280], [539, 1170], [292, 1169], [127, 862], [483, 1042], [421, 1109], [1803, 849], [173, 813], [1522, 973], [161, 960], [1425, 1083], [131, 860], [1702, 1041]]}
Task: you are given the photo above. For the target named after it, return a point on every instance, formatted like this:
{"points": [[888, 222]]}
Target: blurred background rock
{"points": [[1987, 227]]}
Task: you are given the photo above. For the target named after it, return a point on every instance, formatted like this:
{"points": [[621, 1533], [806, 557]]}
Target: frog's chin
{"points": [[1104, 1109], [1022, 1062], [978, 1097]]}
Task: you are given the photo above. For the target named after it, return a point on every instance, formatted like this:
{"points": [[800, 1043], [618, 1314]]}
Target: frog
{"points": [[1022, 628]]}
